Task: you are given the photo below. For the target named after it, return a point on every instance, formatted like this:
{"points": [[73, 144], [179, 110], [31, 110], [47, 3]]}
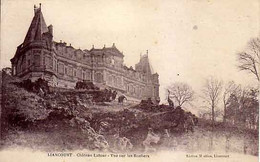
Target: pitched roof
{"points": [[107, 50], [144, 65], [37, 27]]}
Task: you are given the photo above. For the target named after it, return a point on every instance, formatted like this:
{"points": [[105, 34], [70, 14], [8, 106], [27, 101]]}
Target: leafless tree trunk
{"points": [[181, 93], [249, 60], [211, 94]]}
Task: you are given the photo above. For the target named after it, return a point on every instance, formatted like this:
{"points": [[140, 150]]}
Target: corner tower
{"points": [[152, 79], [33, 58]]}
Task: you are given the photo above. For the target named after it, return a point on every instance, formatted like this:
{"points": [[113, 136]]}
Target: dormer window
{"points": [[113, 61]]}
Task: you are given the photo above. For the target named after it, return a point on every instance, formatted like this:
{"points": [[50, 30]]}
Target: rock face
{"points": [[45, 119], [74, 120]]}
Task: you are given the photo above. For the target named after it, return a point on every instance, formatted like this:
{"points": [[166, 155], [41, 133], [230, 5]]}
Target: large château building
{"points": [[63, 65]]}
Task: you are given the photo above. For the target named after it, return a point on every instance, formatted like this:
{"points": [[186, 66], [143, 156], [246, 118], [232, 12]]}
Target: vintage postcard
{"points": [[129, 80]]}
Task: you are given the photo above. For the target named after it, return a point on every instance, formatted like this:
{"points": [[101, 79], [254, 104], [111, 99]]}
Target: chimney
{"points": [[114, 45], [35, 9], [50, 28]]}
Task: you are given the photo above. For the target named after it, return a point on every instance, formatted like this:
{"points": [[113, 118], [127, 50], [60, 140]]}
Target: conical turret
{"points": [[37, 28]]}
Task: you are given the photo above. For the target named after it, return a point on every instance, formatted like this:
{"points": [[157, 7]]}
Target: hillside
{"points": [[71, 120]]}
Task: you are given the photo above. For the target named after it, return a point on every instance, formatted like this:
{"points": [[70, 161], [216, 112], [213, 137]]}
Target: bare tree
{"points": [[249, 60], [181, 93], [211, 93], [229, 89]]}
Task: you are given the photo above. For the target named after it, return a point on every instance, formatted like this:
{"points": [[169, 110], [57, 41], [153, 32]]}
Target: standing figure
{"points": [[121, 99], [171, 104], [109, 95], [114, 95], [105, 95]]}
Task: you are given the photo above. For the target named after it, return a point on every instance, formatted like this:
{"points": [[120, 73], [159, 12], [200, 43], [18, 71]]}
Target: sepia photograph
{"points": [[129, 80]]}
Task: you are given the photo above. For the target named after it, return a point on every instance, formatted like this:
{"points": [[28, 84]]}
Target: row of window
{"points": [[134, 90], [24, 62], [116, 63], [72, 72], [97, 59], [115, 81], [79, 73]]}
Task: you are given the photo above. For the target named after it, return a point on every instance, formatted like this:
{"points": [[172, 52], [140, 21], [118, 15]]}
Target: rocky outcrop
{"points": [[72, 119]]}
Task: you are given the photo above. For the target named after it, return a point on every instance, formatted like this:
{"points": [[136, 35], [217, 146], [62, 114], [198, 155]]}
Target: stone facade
{"points": [[62, 65]]}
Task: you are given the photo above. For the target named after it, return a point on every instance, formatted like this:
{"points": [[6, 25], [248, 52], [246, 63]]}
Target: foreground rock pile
{"points": [[68, 120]]}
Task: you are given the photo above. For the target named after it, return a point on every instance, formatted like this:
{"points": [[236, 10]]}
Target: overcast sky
{"points": [[192, 38]]}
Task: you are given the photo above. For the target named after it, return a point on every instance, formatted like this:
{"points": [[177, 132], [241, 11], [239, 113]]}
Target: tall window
{"points": [[114, 80], [60, 68], [119, 81], [88, 75], [99, 77], [37, 60], [70, 71], [84, 76], [55, 65], [110, 79], [66, 70]]}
